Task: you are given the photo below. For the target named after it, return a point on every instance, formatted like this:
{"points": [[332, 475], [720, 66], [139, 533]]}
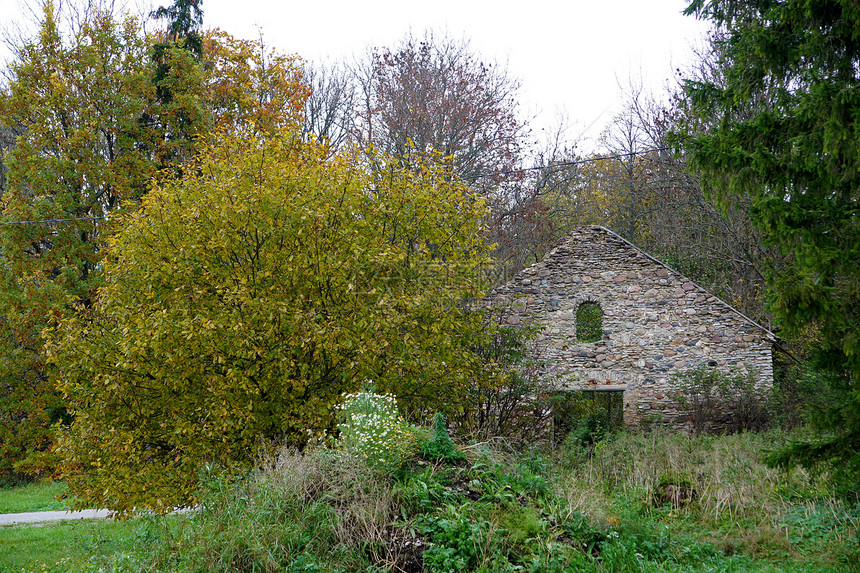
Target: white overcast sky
{"points": [[570, 56]]}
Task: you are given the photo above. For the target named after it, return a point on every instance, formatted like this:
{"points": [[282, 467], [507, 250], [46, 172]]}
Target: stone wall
{"points": [[656, 323]]}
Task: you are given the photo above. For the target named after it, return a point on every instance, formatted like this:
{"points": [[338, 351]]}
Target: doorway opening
{"points": [[586, 416]]}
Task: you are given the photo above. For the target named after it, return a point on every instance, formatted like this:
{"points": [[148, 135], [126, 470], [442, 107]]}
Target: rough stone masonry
{"points": [[656, 322]]}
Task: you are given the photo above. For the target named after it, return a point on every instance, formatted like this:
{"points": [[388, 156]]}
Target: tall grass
{"points": [[575, 508], [315, 510], [739, 503]]}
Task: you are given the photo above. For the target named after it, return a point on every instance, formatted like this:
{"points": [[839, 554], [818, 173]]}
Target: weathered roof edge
{"points": [[662, 264]]}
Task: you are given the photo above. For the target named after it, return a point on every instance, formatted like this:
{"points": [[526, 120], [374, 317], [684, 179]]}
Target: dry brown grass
{"points": [[741, 505], [726, 471], [362, 499]]}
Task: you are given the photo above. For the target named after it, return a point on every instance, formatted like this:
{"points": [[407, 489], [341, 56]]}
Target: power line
{"points": [[495, 174], [51, 221], [569, 163]]}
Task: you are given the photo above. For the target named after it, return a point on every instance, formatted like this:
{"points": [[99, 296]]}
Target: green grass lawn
{"points": [[63, 546], [36, 496]]}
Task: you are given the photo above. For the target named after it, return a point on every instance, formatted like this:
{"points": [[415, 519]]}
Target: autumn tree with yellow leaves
{"points": [[245, 296], [80, 152], [89, 136]]}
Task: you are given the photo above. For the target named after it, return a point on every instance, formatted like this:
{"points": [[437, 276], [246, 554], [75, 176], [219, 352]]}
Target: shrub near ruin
{"points": [[721, 401]]}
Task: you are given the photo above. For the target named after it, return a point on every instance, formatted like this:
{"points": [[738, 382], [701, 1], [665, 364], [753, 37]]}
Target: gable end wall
{"points": [[656, 323]]}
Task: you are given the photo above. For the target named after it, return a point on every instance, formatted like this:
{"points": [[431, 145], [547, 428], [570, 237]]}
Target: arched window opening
{"points": [[589, 322]]}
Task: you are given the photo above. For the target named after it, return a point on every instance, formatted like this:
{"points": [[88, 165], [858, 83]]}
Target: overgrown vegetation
{"points": [[611, 506], [721, 401], [246, 294], [514, 404]]}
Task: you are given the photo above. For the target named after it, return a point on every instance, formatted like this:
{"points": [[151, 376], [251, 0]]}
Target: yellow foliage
{"points": [[251, 89], [244, 296]]}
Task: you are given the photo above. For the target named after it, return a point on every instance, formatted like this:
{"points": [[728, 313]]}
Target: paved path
{"points": [[43, 516]]}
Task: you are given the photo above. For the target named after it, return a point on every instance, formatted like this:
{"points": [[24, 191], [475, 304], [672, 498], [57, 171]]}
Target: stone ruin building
{"points": [[655, 323]]}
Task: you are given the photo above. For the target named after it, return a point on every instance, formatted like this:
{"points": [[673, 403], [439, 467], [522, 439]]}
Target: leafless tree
{"points": [[329, 108], [435, 94], [435, 98], [668, 213], [539, 206]]}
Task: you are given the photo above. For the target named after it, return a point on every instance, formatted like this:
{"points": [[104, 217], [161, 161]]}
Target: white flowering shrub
{"points": [[371, 428]]}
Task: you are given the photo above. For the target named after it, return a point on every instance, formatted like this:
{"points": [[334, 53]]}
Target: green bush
{"points": [[460, 543], [440, 448], [514, 404], [721, 401]]}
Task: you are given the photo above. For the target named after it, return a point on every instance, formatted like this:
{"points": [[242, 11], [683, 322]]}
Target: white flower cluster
{"points": [[368, 400], [371, 427]]}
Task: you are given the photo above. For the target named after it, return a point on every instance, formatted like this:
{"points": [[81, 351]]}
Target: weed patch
{"points": [[487, 509]]}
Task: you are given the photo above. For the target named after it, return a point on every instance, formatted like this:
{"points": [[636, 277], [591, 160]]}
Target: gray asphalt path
{"points": [[47, 516]]}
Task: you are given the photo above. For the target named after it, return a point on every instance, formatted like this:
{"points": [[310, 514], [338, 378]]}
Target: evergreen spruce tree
{"points": [[178, 56], [780, 122]]}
